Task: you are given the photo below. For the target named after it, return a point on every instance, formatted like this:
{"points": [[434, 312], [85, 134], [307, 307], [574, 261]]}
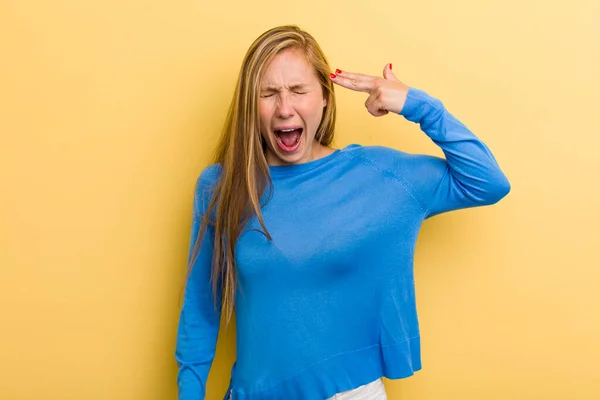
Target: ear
{"points": [[324, 101]]}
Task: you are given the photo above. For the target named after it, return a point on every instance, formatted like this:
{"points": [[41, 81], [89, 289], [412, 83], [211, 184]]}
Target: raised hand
{"points": [[386, 94]]}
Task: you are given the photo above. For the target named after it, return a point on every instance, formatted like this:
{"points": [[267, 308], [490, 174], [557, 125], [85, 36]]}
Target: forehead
{"points": [[289, 67]]}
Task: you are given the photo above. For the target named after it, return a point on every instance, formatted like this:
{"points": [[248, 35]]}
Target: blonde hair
{"points": [[240, 153]]}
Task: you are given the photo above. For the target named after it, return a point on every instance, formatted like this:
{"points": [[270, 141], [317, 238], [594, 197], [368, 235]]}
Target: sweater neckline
{"points": [[282, 171]]}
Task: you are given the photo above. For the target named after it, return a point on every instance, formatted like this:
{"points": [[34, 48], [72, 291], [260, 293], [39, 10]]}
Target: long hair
{"points": [[240, 153]]}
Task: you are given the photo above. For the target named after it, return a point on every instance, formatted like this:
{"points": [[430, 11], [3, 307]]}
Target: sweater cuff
{"points": [[416, 99]]}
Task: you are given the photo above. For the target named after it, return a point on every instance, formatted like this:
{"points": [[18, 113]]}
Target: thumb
{"points": [[388, 74]]}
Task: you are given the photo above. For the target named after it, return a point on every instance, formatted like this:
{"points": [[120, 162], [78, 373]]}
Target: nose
{"points": [[284, 107]]}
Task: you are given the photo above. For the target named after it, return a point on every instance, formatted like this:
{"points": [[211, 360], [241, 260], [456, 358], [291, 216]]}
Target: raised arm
{"points": [[469, 176]]}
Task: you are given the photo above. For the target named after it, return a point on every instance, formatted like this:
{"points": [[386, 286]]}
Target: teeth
{"points": [[287, 130]]}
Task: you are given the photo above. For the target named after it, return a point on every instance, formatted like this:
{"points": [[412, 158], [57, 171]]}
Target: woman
{"points": [[314, 245]]}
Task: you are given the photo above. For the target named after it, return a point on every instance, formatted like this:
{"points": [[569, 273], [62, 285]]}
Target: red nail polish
{"points": [[390, 65], [338, 71], [332, 76]]}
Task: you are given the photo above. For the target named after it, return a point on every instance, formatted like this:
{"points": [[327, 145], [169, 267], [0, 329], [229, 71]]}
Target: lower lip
{"points": [[289, 150]]}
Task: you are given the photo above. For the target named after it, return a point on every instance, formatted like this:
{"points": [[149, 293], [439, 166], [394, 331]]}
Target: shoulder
{"points": [[210, 174], [372, 152], [414, 172], [390, 160], [205, 185]]}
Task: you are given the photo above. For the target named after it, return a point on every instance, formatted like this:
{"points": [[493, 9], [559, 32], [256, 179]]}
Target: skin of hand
{"points": [[387, 94]]}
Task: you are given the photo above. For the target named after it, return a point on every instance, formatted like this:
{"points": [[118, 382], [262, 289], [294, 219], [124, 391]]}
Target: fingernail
{"points": [[338, 71], [390, 65], [332, 76]]}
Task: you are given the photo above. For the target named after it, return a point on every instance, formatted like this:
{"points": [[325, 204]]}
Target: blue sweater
{"points": [[329, 304]]}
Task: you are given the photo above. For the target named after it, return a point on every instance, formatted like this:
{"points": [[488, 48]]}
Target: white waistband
{"points": [[371, 391]]}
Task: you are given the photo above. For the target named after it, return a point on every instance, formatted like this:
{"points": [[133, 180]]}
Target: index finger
{"points": [[354, 81]]}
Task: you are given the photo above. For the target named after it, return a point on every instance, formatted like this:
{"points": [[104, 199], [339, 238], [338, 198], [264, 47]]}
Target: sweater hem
{"points": [[339, 373]]}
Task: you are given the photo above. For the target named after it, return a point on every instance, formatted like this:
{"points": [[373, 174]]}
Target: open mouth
{"points": [[288, 140]]}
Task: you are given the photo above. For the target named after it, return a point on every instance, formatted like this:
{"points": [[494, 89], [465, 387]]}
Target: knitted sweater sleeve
{"points": [[199, 317], [469, 176]]}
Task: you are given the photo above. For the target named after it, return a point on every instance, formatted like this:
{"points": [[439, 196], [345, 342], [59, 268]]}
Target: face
{"points": [[291, 107]]}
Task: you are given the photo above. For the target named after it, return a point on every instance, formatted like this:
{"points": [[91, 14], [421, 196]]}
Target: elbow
{"points": [[499, 187]]}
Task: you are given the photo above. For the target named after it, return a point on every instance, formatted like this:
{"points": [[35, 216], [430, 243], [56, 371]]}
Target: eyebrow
{"points": [[278, 88]]}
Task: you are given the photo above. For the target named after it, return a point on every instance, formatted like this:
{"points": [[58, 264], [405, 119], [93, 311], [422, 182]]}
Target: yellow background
{"points": [[109, 111]]}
